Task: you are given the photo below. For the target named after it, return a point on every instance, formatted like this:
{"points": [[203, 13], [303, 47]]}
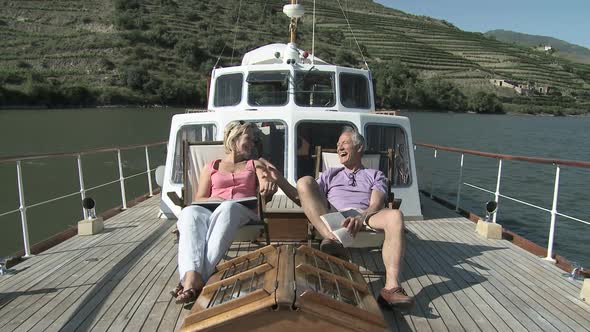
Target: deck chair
{"points": [[326, 158], [195, 157]]}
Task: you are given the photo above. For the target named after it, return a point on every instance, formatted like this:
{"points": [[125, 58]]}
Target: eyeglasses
{"points": [[352, 179]]}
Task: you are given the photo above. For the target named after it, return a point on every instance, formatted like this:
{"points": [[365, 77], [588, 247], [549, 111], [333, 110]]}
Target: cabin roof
{"points": [[268, 55]]}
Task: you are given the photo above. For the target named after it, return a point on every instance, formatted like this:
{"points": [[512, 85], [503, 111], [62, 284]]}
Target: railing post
{"points": [[497, 195], [432, 174], [460, 184], [149, 171], [23, 209], [82, 189], [121, 180], [553, 215]]}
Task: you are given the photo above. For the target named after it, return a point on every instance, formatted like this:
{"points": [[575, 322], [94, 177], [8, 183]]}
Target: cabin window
{"points": [[191, 133], [382, 137], [273, 142], [354, 90], [268, 88], [311, 134], [228, 90], [314, 89]]}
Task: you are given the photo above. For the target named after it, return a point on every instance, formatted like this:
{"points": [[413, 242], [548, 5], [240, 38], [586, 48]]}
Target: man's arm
{"points": [[267, 188], [277, 177], [376, 204]]}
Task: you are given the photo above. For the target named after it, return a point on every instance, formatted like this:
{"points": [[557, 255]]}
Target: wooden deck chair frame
{"points": [[188, 192]]}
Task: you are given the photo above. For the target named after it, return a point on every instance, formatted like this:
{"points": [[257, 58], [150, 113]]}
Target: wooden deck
{"points": [[120, 279]]}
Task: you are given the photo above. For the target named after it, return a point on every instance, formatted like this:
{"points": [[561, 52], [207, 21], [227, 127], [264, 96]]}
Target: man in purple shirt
{"points": [[354, 186]]}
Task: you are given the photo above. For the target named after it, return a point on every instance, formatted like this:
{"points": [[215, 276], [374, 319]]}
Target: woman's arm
{"points": [[204, 188]]}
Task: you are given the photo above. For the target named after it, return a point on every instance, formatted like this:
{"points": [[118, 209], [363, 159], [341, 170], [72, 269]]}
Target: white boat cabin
{"points": [[299, 103]]}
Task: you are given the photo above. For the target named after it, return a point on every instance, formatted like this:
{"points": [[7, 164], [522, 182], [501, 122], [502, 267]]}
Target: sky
{"points": [[567, 20]]}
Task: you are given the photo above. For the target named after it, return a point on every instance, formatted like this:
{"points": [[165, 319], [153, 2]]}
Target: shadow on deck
{"points": [[120, 280]]}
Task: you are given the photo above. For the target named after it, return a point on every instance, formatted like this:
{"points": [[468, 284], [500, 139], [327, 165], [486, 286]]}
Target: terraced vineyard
{"points": [[161, 51]]}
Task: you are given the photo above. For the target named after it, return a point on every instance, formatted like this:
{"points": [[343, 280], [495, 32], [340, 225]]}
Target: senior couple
{"points": [[205, 236]]}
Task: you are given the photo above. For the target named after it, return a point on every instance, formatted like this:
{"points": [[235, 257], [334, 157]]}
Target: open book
{"points": [[334, 222], [249, 202]]}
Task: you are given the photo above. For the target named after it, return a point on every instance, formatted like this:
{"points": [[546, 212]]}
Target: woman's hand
{"points": [[215, 198]]}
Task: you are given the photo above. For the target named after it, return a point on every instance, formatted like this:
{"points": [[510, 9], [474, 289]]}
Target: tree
{"points": [[395, 85], [482, 102]]}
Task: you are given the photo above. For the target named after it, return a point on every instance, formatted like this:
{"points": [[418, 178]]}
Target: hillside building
{"points": [[521, 88], [525, 89]]}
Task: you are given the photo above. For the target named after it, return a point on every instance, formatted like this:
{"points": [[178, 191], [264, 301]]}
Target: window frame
{"points": [[287, 91], [332, 75], [217, 85], [296, 134], [286, 149], [393, 125], [178, 145], [367, 86]]}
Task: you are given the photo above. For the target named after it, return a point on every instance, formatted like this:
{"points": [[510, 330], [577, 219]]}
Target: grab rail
{"points": [[557, 162], [82, 192]]}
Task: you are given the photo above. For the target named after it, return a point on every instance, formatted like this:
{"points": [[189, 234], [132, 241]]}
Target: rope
{"points": [[353, 36], [313, 36], [233, 47]]}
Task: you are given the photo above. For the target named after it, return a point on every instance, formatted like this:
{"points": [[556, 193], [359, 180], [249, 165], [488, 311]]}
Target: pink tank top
{"points": [[233, 185]]}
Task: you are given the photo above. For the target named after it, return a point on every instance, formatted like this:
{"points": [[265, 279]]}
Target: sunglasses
{"points": [[352, 179]]}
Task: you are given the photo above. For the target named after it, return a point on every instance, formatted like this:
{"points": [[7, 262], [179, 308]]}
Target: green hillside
{"points": [[101, 52], [562, 48]]}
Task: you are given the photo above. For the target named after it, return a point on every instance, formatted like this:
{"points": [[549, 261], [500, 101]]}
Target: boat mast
{"points": [[294, 11], [293, 25]]}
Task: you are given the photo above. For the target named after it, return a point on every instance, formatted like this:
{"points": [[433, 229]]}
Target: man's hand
{"points": [[271, 171], [353, 224], [268, 189]]}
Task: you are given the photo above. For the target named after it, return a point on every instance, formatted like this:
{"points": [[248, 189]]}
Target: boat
{"points": [[119, 279]]}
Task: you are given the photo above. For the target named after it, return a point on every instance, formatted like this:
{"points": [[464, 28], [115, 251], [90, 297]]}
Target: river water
{"points": [[43, 131], [547, 137]]}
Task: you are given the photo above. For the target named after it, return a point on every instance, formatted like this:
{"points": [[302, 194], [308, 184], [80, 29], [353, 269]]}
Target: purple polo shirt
{"points": [[341, 194]]}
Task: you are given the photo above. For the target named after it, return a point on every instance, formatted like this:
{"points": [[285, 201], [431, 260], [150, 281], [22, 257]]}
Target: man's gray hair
{"points": [[357, 139]]}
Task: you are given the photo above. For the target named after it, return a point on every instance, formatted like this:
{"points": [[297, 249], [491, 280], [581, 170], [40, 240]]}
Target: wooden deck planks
{"points": [[461, 281], [84, 304], [62, 281], [509, 280], [548, 297], [85, 277], [470, 281]]}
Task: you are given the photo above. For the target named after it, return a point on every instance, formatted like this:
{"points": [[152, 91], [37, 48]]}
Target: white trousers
{"points": [[205, 236]]}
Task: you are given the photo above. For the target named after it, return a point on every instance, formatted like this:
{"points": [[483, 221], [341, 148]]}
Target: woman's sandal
{"points": [[188, 296], [177, 290]]}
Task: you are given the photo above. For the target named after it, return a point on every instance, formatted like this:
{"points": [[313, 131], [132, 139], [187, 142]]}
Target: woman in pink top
{"points": [[205, 236]]}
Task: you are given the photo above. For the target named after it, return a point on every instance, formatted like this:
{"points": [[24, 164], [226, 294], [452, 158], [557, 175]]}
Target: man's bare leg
{"points": [[392, 223], [314, 204]]}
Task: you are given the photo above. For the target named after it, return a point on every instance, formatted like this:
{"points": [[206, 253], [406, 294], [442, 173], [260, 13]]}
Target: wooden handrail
{"points": [[74, 154], [561, 162]]}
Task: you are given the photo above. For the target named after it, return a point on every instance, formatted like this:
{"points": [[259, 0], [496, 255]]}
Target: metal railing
{"points": [[83, 190], [497, 195]]}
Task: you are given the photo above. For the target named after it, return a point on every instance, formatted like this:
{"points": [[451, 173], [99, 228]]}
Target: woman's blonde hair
{"points": [[235, 129]]}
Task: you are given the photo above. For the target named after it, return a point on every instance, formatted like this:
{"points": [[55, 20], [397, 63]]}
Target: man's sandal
{"points": [[188, 296], [177, 290]]}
